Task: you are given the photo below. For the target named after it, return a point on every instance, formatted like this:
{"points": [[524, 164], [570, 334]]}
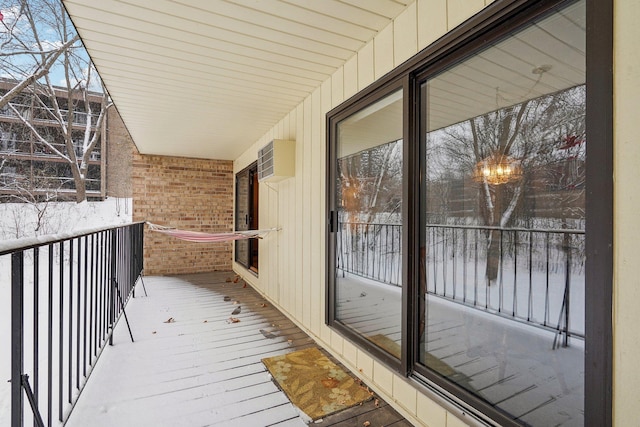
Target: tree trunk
{"points": [[493, 255], [493, 237], [81, 188]]}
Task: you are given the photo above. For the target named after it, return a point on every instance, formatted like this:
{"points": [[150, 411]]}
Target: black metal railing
{"points": [[372, 251], [67, 294], [535, 276]]}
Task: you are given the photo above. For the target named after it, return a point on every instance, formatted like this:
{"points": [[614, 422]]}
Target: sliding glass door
{"points": [[502, 283], [458, 219]]}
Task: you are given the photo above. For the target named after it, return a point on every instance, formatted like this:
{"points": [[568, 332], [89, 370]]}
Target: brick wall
{"points": [[186, 193], [120, 150]]}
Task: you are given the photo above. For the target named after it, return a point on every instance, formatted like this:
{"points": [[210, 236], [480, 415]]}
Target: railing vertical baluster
{"points": [[340, 261], [396, 254], [93, 296], [393, 275], [475, 268], [371, 237], [372, 250], [350, 247], [454, 276], [444, 262], [464, 265], [87, 328], [383, 253], [107, 283], [112, 268], [17, 337], [346, 250], [546, 292], [530, 310], [355, 244], [362, 248], [78, 310], [567, 294], [388, 254], [50, 341], [365, 245], [97, 280], [360, 240], [501, 282], [434, 253], [486, 292], [70, 321], [60, 330], [515, 273], [101, 292], [101, 288], [36, 323]]}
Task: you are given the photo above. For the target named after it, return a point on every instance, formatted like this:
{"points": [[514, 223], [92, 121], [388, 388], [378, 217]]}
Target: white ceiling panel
{"points": [[207, 78]]}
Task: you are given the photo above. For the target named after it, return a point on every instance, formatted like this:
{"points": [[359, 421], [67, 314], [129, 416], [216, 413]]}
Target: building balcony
{"points": [[96, 343]]}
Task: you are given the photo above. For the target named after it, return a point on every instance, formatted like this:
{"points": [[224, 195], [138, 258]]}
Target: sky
{"points": [[47, 33]]}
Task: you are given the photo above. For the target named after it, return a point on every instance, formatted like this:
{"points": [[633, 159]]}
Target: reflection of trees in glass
{"points": [[370, 184], [544, 138]]}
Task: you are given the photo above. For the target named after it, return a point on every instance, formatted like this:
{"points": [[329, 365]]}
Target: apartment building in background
{"points": [[29, 167]]}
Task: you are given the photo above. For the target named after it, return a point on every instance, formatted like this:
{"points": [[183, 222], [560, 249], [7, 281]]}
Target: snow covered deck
{"points": [[191, 365]]}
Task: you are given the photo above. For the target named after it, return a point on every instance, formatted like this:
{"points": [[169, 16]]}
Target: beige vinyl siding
{"points": [[626, 316], [292, 261]]}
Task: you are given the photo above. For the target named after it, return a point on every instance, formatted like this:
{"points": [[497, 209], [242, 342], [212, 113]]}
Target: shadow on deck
{"points": [[190, 365]]}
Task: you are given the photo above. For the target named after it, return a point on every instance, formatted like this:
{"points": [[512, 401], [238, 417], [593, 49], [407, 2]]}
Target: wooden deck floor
{"points": [[191, 366]]}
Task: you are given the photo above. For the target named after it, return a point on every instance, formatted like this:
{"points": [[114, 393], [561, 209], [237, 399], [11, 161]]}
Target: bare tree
{"points": [[37, 38], [35, 192], [537, 144], [372, 183]]}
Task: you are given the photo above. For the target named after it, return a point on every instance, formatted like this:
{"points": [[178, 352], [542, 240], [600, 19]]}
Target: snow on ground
{"points": [[20, 221]]}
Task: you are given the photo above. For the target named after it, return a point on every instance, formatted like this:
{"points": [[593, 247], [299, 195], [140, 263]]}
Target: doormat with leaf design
{"points": [[314, 383]]}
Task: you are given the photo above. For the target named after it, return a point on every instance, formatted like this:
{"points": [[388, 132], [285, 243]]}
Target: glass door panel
{"points": [[368, 256], [502, 281]]}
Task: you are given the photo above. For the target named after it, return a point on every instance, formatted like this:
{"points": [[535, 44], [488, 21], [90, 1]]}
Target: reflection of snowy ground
{"points": [[509, 363], [66, 217], [534, 297], [533, 270]]}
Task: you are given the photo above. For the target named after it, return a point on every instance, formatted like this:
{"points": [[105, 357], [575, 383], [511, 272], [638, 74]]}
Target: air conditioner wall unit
{"points": [[276, 160]]}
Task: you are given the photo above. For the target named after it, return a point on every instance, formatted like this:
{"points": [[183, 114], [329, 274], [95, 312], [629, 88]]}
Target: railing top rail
{"points": [[14, 245], [389, 224], [482, 227], [527, 230]]}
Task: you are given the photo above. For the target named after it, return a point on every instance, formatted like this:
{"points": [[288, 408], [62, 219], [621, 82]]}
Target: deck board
{"points": [[200, 369]]}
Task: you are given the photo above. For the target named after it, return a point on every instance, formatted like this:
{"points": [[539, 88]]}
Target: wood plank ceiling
{"points": [[208, 78]]}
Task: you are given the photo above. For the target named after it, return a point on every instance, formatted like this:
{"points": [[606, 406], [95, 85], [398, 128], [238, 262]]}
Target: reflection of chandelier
{"points": [[497, 169]]}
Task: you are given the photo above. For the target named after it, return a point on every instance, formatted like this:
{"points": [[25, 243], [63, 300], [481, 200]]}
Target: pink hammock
{"points": [[196, 236]]}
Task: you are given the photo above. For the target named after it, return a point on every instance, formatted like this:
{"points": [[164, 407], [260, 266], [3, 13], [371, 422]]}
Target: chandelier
{"points": [[497, 169]]}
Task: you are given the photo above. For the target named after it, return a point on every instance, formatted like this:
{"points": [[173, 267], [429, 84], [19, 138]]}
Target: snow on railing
{"points": [[67, 294]]}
